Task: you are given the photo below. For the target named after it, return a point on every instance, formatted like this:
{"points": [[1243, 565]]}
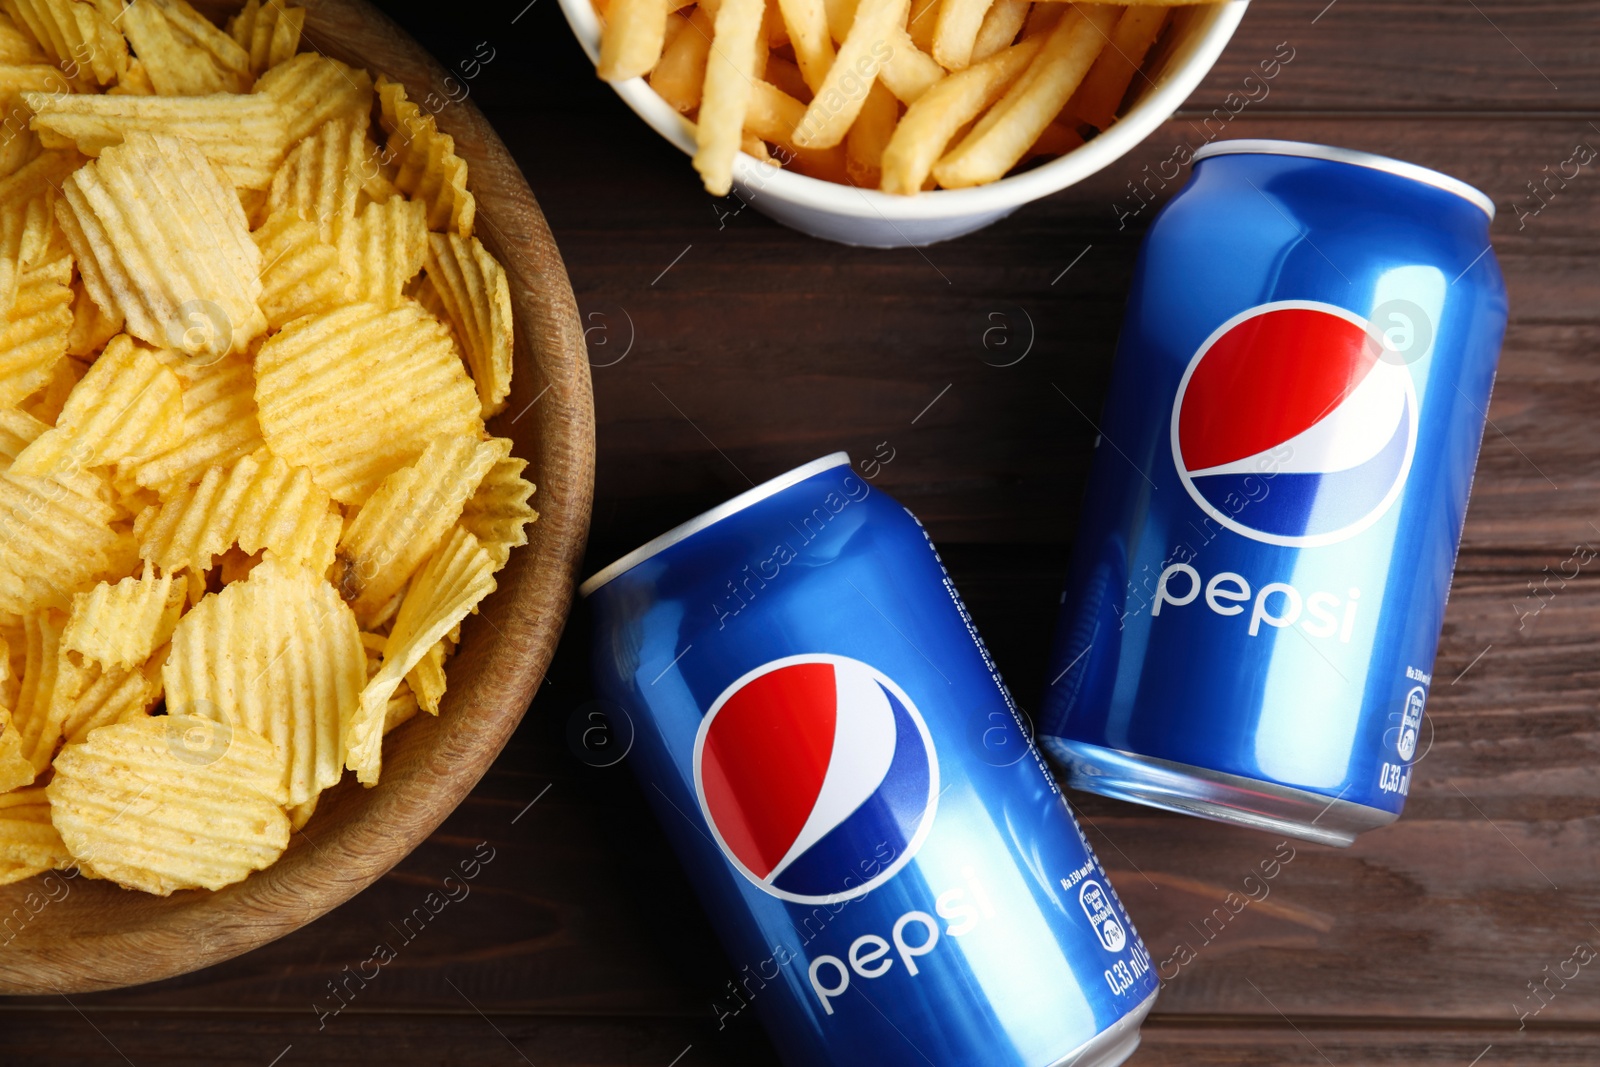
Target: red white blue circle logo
{"points": [[817, 776], [1291, 427]]}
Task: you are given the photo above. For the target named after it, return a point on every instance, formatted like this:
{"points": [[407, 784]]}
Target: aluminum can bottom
{"points": [[1114, 1044], [1214, 795]]}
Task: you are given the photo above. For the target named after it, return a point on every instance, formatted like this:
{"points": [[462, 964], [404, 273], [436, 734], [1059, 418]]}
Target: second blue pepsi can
{"points": [[1276, 501], [893, 872]]}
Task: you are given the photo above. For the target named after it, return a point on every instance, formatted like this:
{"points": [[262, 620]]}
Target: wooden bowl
{"points": [[62, 934]]}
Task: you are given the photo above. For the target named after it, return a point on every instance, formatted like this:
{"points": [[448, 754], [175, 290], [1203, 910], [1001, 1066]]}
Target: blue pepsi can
{"points": [[892, 869], [1276, 500]]}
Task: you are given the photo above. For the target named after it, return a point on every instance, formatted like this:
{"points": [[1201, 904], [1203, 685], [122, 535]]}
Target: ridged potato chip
{"points": [[402, 705], [122, 625], [29, 843], [76, 36], [42, 174], [261, 502], [135, 81], [322, 178], [170, 802], [472, 287], [128, 405], [24, 77], [448, 587], [244, 134], [314, 89], [17, 46], [429, 168], [383, 248], [181, 51], [300, 272], [427, 679], [16, 770], [498, 513], [219, 425], [19, 429], [37, 729], [211, 437], [358, 393], [92, 325], [88, 696], [26, 227], [33, 336], [19, 145], [280, 654], [270, 33], [236, 565], [185, 280], [56, 541], [46, 404], [301, 814], [407, 517]]}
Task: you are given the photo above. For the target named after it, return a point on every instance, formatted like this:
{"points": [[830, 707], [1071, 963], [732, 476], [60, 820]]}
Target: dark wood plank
{"points": [[465, 1039]]}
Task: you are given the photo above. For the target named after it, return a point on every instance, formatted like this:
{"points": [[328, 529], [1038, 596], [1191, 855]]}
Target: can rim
{"points": [[1266, 147], [715, 515]]}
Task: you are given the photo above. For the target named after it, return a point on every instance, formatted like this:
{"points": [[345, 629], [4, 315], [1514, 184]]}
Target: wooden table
{"points": [[750, 349]]}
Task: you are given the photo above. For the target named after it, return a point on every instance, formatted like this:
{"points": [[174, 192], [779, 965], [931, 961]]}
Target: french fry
{"points": [[1000, 27], [786, 76], [1025, 110], [841, 13], [630, 43], [1097, 99], [807, 21], [758, 68], [922, 22], [774, 34], [1056, 140], [930, 123], [679, 76], [730, 72], [867, 139], [957, 32], [772, 117], [908, 72], [756, 149], [865, 50], [1043, 18]]}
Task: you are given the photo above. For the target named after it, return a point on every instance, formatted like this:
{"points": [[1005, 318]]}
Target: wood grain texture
{"points": [[94, 935], [759, 349]]}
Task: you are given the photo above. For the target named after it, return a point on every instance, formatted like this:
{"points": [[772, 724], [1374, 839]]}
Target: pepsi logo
{"points": [[1293, 424], [817, 777]]}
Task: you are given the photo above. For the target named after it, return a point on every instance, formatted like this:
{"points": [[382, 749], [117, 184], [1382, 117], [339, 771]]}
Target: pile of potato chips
{"points": [[248, 343], [899, 95]]}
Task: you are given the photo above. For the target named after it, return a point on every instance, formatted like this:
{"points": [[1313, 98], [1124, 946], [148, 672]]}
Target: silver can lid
{"points": [[715, 515], [1251, 146]]}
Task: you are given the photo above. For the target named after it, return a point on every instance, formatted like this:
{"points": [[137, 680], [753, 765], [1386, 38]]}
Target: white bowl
{"points": [[855, 216]]}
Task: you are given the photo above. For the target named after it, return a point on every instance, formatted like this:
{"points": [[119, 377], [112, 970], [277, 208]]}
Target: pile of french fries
{"points": [[898, 95]]}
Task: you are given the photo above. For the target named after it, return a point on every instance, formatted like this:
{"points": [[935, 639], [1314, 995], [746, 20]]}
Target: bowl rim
{"points": [[1000, 196], [98, 937]]}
